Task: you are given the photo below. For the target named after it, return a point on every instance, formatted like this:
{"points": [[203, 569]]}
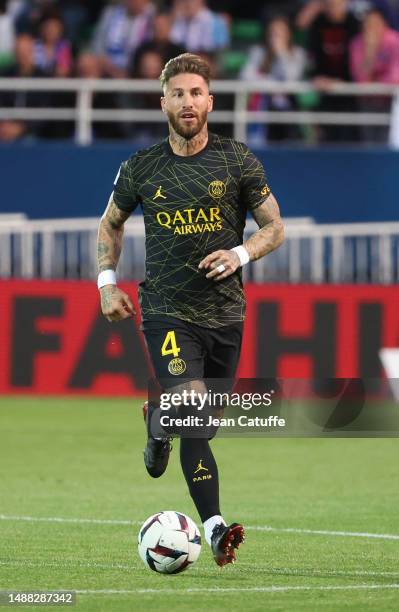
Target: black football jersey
{"points": [[192, 206]]}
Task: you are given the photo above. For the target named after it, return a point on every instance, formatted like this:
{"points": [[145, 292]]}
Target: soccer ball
{"points": [[169, 542]]}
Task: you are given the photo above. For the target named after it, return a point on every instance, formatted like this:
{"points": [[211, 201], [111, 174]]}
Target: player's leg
{"points": [[201, 473], [197, 460], [175, 353], [196, 457], [171, 343], [223, 346], [157, 449]]}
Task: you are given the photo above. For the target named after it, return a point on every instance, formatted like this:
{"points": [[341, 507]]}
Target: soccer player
{"points": [[194, 189]]}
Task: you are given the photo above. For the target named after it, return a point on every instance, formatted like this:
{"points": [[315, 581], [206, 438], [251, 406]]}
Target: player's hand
{"points": [[214, 262], [116, 305]]}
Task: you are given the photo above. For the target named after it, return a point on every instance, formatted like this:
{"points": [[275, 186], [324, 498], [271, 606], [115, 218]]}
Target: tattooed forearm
{"points": [[110, 237], [265, 240], [271, 230], [108, 248]]}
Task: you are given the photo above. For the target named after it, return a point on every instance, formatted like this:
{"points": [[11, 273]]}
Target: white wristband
{"points": [[107, 277], [242, 254]]}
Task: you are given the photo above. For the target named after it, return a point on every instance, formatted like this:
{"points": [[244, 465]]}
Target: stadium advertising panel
{"points": [[54, 340]]}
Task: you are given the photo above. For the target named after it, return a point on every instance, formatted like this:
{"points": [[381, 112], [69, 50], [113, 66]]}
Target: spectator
{"points": [[374, 58], [311, 9], [30, 13], [53, 56], [88, 66], [160, 42], [223, 101], [329, 40], [305, 18], [197, 28], [24, 66], [24, 59], [149, 66], [360, 8], [374, 54], [77, 15], [277, 60], [7, 30], [122, 28], [14, 7], [53, 53]]}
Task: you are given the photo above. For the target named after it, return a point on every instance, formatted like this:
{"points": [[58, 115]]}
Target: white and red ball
{"points": [[169, 542]]}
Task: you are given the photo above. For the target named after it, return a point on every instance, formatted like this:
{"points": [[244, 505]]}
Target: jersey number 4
{"points": [[169, 346]]}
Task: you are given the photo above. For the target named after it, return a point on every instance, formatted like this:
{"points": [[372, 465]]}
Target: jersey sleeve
{"points": [[254, 189], [125, 195]]}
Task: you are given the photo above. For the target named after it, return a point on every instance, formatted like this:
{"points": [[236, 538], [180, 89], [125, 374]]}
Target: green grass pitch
{"points": [[82, 459]]}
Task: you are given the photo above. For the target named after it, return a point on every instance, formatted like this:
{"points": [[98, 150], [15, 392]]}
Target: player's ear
{"points": [[163, 104], [210, 103]]}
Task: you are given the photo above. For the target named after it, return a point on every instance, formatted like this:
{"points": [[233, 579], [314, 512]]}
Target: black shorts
{"points": [[182, 350]]}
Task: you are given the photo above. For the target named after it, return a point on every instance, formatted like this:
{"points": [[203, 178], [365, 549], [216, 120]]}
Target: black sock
{"points": [[201, 474]]}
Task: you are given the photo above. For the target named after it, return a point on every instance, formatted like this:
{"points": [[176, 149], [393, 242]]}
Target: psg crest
{"points": [[217, 189]]}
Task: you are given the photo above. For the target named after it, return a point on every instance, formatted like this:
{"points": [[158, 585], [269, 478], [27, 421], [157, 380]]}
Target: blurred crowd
{"points": [[323, 41]]}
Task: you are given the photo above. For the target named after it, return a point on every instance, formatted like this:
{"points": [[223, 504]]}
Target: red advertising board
{"points": [[54, 340]]}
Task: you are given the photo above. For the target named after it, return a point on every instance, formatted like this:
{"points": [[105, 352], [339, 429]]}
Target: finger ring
{"points": [[221, 268]]}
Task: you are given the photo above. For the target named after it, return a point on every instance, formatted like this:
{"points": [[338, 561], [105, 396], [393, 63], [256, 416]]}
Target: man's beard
{"points": [[188, 131]]}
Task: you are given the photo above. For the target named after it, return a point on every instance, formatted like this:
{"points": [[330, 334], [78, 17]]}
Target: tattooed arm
{"points": [[268, 237], [115, 304], [271, 229]]}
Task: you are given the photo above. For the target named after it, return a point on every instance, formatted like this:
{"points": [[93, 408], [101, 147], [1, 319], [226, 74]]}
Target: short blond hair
{"points": [[186, 62]]}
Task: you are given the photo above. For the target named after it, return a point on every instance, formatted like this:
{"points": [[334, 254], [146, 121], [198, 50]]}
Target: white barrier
{"points": [[312, 253], [83, 113]]}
